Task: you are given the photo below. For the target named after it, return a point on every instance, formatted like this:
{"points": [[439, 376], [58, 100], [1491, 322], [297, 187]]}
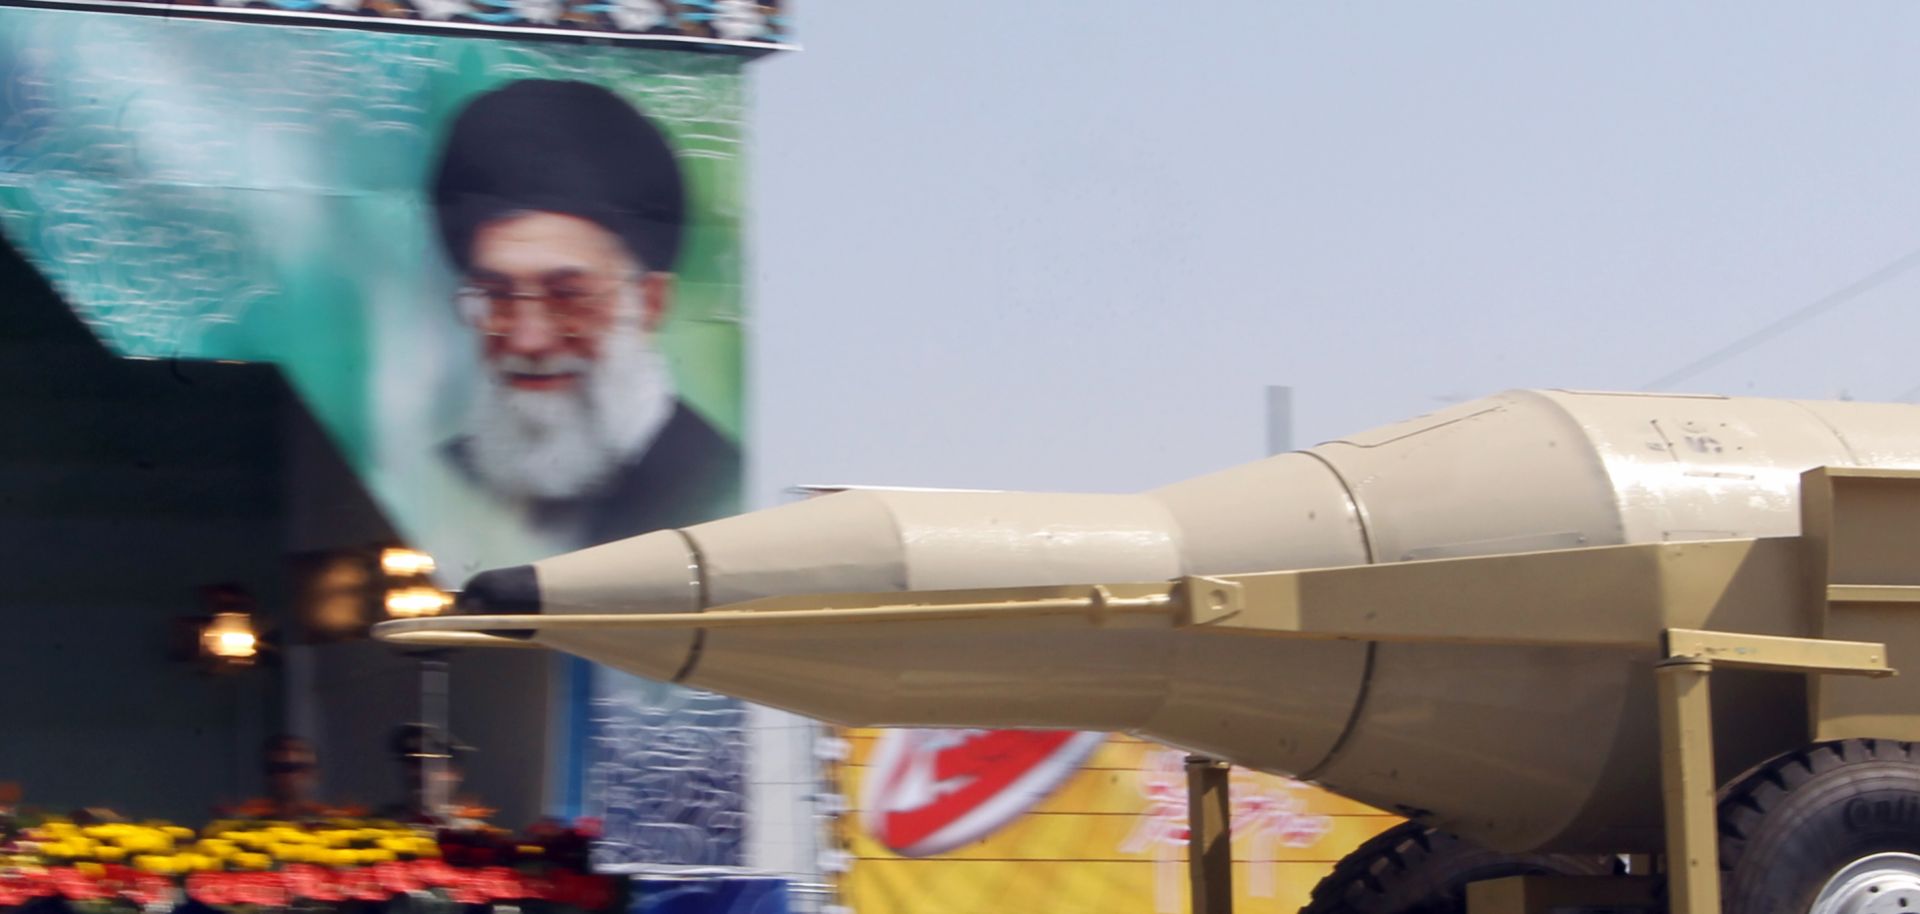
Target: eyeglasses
{"points": [[575, 309]]}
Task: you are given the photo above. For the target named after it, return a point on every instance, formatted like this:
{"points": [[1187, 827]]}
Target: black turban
{"points": [[552, 146]]}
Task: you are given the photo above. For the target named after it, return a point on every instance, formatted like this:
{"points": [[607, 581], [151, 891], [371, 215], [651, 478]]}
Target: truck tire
{"points": [[1832, 828], [1413, 869]]}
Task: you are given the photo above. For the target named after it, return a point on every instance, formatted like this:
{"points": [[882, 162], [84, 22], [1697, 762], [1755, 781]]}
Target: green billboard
{"points": [[206, 190], [505, 276]]}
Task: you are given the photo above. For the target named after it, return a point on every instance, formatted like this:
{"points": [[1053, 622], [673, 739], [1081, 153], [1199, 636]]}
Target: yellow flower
{"points": [[144, 841], [110, 853], [91, 869], [531, 850], [252, 861], [178, 833], [155, 864], [60, 850]]}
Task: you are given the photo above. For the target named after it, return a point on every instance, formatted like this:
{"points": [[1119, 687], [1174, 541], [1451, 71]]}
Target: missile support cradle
{"points": [[1541, 626]]}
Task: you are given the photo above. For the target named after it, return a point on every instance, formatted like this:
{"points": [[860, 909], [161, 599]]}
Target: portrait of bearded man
{"points": [[563, 209]]}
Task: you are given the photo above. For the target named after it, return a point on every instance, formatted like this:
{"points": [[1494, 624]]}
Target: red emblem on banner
{"points": [[930, 791]]}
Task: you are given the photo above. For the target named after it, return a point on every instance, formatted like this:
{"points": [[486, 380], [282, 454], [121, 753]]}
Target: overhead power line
{"points": [[1799, 316]]}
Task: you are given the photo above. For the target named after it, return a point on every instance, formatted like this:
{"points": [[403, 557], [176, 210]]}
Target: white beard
{"points": [[553, 445]]}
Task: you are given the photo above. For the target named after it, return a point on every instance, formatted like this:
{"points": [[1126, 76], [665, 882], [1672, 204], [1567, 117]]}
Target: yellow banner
{"points": [[966, 822]]}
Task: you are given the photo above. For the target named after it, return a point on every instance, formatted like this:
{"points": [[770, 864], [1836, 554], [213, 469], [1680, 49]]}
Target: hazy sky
{"points": [[1067, 244]]}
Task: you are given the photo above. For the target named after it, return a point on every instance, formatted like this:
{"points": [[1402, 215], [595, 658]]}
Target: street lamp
{"points": [[229, 638], [416, 601], [407, 592], [401, 562]]}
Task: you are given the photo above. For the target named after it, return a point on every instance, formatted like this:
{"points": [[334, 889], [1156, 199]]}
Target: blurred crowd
{"points": [[431, 774]]}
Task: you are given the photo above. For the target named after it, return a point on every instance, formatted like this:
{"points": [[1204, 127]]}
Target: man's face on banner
{"points": [[566, 317]]}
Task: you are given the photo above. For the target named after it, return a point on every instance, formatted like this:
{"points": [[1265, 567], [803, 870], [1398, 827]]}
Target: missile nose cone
{"points": [[501, 591]]}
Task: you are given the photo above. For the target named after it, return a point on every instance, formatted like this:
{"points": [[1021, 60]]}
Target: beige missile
{"points": [[1519, 746]]}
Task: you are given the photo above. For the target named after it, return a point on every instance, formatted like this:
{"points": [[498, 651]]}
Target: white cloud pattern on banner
{"points": [[667, 776], [637, 15], [738, 20]]}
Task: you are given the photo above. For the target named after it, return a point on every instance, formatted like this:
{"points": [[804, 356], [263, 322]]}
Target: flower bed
{"points": [[248, 865]]}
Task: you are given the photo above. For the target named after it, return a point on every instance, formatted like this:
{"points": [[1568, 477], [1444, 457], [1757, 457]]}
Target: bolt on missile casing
{"points": [[1516, 746]]}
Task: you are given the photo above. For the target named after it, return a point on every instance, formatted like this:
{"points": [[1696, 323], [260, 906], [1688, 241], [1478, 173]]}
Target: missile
{"points": [[1526, 745]]}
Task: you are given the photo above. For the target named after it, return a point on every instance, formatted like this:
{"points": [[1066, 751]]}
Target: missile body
{"points": [[1517, 747]]}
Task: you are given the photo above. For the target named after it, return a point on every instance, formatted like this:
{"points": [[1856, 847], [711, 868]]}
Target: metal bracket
{"points": [[1687, 783], [1208, 601], [1766, 652]]}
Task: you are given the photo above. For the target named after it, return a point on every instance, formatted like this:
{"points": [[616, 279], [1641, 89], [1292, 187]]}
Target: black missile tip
{"points": [[513, 591]]}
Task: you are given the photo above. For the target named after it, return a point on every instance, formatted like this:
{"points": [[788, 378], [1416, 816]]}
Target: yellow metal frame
{"points": [[1861, 533], [1209, 836], [1858, 557], [1346, 603], [1687, 782]]}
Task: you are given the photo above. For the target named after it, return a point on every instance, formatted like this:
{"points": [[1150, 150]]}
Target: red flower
{"points": [[434, 872], [210, 888], [40, 885], [581, 890], [360, 884], [396, 878], [500, 884], [537, 887], [77, 886], [305, 880], [148, 889], [264, 889], [467, 891]]}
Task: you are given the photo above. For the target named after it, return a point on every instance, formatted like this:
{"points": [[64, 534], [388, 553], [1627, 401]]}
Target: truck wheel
{"points": [[1413, 869], [1832, 829]]}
